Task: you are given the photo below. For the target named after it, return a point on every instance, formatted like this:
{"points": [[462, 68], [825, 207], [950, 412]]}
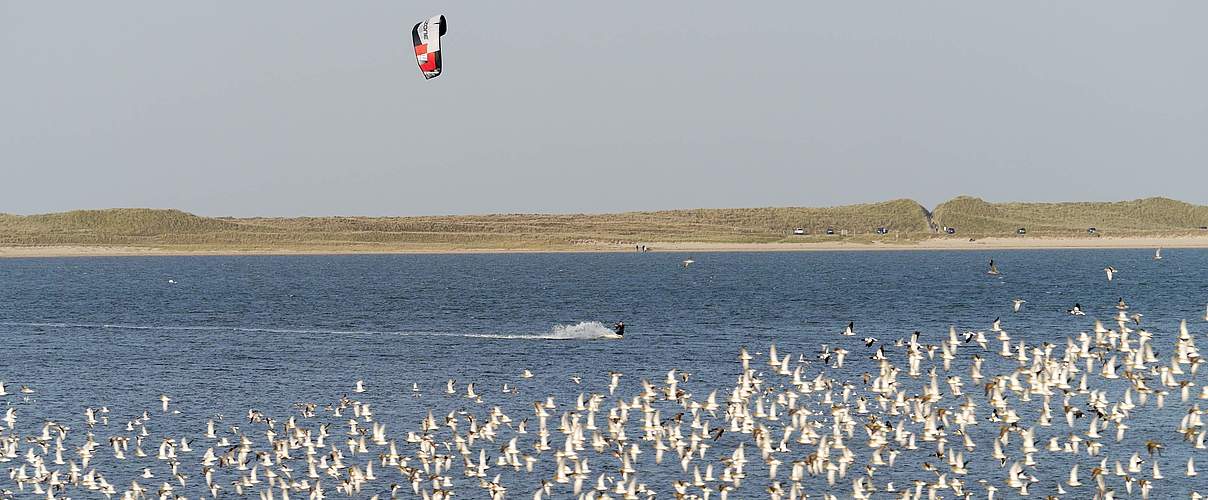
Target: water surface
{"points": [[225, 334]]}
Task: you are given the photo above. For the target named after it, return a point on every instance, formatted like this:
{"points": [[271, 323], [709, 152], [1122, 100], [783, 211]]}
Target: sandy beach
{"points": [[928, 244], [948, 244]]}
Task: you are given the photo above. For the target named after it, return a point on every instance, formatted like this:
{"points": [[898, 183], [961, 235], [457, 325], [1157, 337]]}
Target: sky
{"points": [[307, 107]]}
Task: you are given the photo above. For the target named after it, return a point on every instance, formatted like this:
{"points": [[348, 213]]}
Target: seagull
{"points": [[1121, 305], [850, 329], [869, 341], [360, 387], [688, 262], [1074, 476], [1111, 272], [172, 281], [1077, 310], [1017, 304], [614, 379], [1157, 254], [993, 269]]}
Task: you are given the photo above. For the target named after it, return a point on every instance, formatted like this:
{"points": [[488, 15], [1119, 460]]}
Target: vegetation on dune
{"points": [[1152, 216], [904, 219], [117, 221], [897, 215]]}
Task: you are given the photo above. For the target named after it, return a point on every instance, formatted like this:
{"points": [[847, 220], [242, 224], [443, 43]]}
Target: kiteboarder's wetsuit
{"points": [[619, 328]]}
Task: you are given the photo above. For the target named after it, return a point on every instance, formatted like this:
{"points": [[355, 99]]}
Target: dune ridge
{"points": [[890, 224]]}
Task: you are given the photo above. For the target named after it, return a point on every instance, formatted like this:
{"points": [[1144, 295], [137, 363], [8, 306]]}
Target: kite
{"points": [[426, 37]]}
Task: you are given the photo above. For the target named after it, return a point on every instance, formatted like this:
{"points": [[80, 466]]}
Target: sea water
{"points": [[222, 335]]}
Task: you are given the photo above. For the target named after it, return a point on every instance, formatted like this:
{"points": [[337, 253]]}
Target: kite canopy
{"points": [[426, 38]]}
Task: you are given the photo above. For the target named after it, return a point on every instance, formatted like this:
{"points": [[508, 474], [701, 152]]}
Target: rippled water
{"points": [[225, 334]]}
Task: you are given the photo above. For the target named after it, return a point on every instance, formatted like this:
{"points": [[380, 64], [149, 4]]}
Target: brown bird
{"points": [[717, 433]]}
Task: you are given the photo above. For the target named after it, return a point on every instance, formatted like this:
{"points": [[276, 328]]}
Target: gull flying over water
{"points": [[1111, 272], [993, 269], [1017, 304]]}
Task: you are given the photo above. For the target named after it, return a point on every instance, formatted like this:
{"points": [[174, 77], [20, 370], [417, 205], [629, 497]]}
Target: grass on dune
{"points": [[1149, 216], [906, 220]]}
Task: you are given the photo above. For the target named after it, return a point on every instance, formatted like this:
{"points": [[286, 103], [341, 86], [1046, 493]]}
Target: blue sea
{"points": [[222, 335]]}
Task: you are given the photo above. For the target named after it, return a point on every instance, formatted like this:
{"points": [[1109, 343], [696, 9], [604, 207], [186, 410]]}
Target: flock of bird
{"points": [[972, 414]]}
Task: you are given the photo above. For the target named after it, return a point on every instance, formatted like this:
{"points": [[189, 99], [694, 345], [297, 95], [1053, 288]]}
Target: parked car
{"points": [[799, 231]]}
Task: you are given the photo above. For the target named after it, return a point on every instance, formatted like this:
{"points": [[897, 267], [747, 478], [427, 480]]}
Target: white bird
{"points": [[1017, 304], [163, 398], [1111, 272], [1157, 254], [172, 281], [1074, 477], [689, 262], [360, 387], [850, 329]]}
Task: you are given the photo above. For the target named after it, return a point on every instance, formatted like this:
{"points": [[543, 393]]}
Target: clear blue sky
{"points": [[312, 108]]}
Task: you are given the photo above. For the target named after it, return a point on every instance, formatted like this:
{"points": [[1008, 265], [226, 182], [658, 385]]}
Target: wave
{"points": [[587, 330]]}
